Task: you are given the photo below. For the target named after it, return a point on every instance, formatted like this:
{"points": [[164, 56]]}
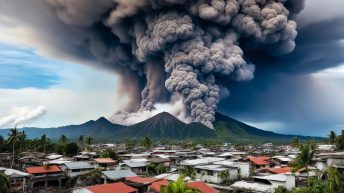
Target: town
{"points": [[143, 166]]}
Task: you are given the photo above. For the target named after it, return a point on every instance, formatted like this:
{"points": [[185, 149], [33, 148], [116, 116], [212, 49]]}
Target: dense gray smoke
{"points": [[164, 47]]}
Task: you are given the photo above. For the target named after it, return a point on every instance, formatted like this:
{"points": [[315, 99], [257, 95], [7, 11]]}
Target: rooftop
{"points": [[42, 169], [118, 174], [280, 170], [118, 187], [259, 160], [104, 160], [156, 185], [142, 180], [78, 165], [203, 187]]}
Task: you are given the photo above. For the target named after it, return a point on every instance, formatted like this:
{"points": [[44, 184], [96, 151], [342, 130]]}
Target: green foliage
{"points": [[179, 186], [157, 169], [147, 143], [224, 175], [4, 183], [109, 153], [281, 189], [71, 149], [295, 142], [332, 137], [340, 141], [304, 159], [189, 171], [89, 142], [12, 139], [63, 140]]}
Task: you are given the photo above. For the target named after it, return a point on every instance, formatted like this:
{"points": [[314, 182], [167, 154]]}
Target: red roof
{"points": [[118, 187], [203, 187], [280, 170], [141, 180], [42, 169], [259, 160], [156, 185], [104, 160]]}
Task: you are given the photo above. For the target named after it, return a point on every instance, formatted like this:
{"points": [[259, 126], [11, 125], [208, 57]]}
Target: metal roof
{"points": [[135, 164], [255, 186], [78, 165], [118, 174]]}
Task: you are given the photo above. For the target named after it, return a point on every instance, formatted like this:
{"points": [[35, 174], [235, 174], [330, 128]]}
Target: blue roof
{"points": [[118, 174], [78, 165]]}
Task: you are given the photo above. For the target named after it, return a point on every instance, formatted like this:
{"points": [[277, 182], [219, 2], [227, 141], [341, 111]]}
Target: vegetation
{"points": [[189, 171], [147, 143], [109, 153], [332, 137], [12, 139], [89, 142], [71, 149], [295, 142], [225, 176], [4, 183], [303, 160], [340, 141], [157, 169], [179, 186]]}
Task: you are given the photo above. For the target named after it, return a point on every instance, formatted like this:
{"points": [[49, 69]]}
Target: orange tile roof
{"points": [[280, 170], [155, 186], [104, 160], [203, 187], [142, 180], [42, 169], [118, 187], [259, 160]]}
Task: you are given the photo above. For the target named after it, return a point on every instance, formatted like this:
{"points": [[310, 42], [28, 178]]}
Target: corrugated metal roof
{"points": [[118, 187], [118, 174], [78, 165], [104, 160], [203, 187], [42, 169], [135, 164]]}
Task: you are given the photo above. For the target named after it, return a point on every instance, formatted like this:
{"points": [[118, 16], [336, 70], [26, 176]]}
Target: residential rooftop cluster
{"points": [[115, 168]]}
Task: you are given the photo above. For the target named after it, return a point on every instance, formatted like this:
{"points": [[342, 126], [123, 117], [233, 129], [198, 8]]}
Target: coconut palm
{"points": [[332, 137], [334, 182], [304, 159], [179, 186], [89, 141], [224, 175], [189, 171], [81, 141], [147, 143], [4, 183], [22, 139], [12, 139], [44, 141], [63, 140]]}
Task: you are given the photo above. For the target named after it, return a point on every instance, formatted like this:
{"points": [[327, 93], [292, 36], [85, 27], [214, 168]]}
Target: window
{"points": [[198, 171], [210, 173]]}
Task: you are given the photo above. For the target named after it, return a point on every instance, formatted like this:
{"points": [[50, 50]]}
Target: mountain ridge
{"points": [[164, 126]]}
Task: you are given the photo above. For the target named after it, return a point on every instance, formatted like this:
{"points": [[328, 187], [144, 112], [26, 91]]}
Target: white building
{"points": [[244, 168], [212, 173], [136, 166], [73, 169]]}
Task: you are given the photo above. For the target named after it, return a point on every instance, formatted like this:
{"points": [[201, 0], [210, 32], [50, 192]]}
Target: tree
{"points": [[281, 189], [43, 142], [89, 141], [147, 143], [334, 182], [22, 140], [179, 186], [4, 183], [304, 159], [340, 141], [224, 175], [109, 153], [189, 171], [71, 149], [332, 137], [12, 138], [63, 139], [81, 141], [295, 142]]}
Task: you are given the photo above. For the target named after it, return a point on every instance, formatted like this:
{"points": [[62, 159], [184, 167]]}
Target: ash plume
{"points": [[22, 115], [160, 48]]}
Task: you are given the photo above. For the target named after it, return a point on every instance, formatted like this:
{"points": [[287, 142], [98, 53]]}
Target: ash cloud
{"points": [[160, 48]]}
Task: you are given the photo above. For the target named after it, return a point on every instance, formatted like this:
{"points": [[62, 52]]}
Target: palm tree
{"points": [[332, 137], [43, 141], [4, 183], [334, 182], [224, 175], [22, 140], [89, 141], [295, 142], [189, 171], [304, 159], [63, 140], [81, 141], [13, 137], [179, 186], [147, 143]]}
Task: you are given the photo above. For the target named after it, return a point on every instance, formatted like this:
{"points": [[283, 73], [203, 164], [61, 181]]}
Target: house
{"points": [[140, 183], [282, 160], [203, 187], [45, 174], [138, 167], [118, 187], [17, 178], [266, 183], [171, 177], [73, 169], [155, 186], [212, 173], [281, 170], [204, 160], [333, 159], [105, 163], [116, 175], [244, 168], [258, 163], [326, 147], [158, 160]]}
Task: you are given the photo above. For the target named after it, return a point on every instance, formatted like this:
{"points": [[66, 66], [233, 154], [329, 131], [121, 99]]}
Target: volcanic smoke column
{"points": [[184, 47]]}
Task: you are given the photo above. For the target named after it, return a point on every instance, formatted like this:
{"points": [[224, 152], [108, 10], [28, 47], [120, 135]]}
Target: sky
{"points": [[299, 93]]}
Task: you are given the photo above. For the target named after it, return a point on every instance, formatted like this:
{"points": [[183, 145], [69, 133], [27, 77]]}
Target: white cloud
{"points": [[21, 115]]}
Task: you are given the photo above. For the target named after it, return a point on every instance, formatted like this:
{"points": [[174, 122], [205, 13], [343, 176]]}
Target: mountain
{"points": [[164, 126]]}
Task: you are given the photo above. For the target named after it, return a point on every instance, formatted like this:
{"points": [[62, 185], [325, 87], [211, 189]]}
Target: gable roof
{"points": [[203, 187], [155, 186], [259, 160], [118, 174], [78, 165], [104, 160], [118, 187], [135, 164], [142, 180], [42, 169], [280, 170]]}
